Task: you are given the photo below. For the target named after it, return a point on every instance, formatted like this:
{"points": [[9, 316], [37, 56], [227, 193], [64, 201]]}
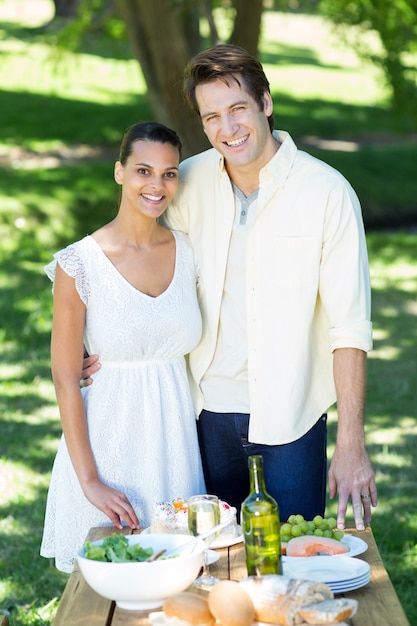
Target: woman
{"points": [[127, 292]]}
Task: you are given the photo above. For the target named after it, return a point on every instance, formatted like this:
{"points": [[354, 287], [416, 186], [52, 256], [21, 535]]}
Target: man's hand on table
{"points": [[351, 476]]}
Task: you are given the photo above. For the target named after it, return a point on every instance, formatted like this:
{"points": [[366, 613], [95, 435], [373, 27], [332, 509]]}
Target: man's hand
{"points": [[91, 365], [351, 475]]}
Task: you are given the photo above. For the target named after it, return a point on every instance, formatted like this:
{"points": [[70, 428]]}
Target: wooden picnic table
{"points": [[378, 602]]}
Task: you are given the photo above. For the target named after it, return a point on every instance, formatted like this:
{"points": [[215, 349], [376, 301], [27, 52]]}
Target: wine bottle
{"points": [[261, 524]]}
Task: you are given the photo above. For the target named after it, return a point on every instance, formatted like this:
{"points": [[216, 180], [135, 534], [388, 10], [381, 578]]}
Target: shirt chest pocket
{"points": [[293, 262]]}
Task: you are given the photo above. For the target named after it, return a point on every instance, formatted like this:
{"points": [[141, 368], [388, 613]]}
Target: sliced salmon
{"points": [[311, 545]]}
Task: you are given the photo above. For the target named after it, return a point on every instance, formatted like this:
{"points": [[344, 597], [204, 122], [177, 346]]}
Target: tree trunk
{"points": [[156, 32], [66, 8], [247, 26]]}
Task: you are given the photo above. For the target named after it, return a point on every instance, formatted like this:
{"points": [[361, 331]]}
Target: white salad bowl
{"points": [[142, 585]]}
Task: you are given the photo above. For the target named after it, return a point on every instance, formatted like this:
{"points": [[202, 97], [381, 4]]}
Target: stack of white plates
{"points": [[341, 574]]}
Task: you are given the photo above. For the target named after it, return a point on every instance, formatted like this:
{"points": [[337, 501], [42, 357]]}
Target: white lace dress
{"points": [[141, 420]]}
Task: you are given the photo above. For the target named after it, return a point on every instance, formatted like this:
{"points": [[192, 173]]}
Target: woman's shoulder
{"points": [[69, 258]]}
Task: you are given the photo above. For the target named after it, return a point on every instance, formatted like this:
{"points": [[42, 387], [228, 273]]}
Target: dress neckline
{"points": [[129, 284]]}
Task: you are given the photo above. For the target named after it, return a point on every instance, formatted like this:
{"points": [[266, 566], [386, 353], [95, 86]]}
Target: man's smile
{"points": [[236, 142]]}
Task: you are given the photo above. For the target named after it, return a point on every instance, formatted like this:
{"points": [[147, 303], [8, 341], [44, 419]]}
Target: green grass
{"points": [[305, 60], [46, 202]]}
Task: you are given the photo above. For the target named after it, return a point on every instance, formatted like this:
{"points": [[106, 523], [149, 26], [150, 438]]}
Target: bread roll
{"points": [[278, 599], [189, 609], [230, 604], [329, 611]]}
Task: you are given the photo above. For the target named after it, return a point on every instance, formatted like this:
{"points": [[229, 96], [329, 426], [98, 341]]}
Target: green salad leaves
{"points": [[116, 549]]}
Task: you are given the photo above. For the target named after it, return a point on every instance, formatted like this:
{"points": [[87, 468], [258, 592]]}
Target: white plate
{"points": [[356, 583], [222, 542], [326, 570], [219, 543], [356, 546], [342, 583]]}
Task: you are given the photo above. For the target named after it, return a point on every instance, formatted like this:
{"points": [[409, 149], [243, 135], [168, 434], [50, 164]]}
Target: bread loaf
{"points": [[329, 611], [187, 609], [278, 599]]}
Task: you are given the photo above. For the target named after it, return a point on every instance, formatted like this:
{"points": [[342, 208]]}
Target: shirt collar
{"points": [[278, 168]]}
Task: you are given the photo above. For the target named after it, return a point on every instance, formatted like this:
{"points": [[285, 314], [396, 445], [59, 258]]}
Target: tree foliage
{"points": [[395, 23]]}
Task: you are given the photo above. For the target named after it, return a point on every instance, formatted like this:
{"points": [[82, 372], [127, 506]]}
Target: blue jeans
{"points": [[295, 473]]}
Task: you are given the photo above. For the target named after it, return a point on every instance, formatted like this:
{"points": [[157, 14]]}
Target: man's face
{"points": [[234, 123]]}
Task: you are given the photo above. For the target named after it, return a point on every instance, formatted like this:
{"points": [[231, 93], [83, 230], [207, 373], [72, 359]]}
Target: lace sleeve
{"points": [[72, 264]]}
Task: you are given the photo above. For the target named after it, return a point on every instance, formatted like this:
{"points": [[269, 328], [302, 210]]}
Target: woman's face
{"points": [[149, 178]]}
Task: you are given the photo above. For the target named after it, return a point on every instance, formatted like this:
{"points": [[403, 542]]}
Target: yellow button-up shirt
{"points": [[307, 281]]}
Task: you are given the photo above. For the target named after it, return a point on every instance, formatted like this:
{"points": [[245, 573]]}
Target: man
{"points": [[285, 298]]}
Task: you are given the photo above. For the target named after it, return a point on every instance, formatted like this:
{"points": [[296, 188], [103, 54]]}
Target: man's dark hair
{"points": [[225, 62]]}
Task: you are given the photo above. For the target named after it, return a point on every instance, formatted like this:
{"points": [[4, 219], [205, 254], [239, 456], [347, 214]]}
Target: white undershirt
{"points": [[225, 384]]}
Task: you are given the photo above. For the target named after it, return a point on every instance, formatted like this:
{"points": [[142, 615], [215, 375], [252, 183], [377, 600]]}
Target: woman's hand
{"points": [[111, 502]]}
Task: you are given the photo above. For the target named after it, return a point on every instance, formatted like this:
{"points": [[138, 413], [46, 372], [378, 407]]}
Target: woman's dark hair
{"points": [[147, 131], [223, 62]]}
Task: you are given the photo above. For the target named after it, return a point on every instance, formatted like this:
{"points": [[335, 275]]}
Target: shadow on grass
{"points": [[283, 54], [28, 118]]}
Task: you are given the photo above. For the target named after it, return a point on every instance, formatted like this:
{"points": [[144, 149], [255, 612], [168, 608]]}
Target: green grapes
{"points": [[296, 526]]}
